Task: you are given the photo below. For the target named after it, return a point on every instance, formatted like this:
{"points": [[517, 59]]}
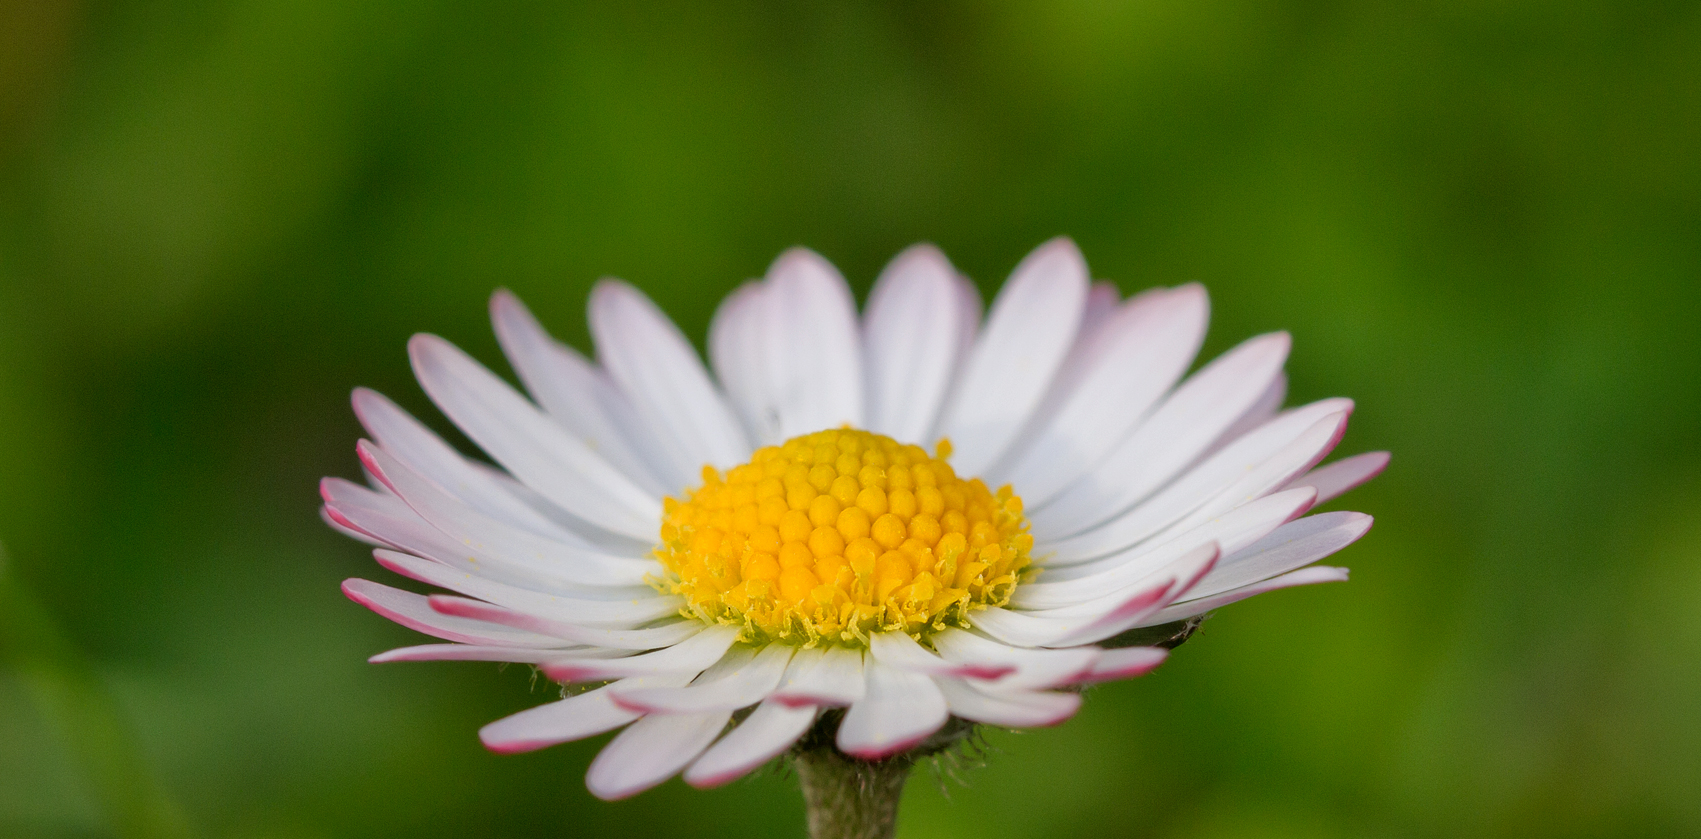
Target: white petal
{"points": [[1181, 574], [1035, 669], [381, 518], [496, 540], [1342, 475], [688, 658], [474, 652], [1010, 709], [1266, 408], [1031, 328], [898, 650], [1109, 627], [911, 343], [1293, 545], [574, 718], [652, 638], [813, 348], [763, 736], [1232, 531], [392, 522], [422, 450], [1251, 466], [1093, 339], [340, 525], [725, 687], [823, 677], [412, 611], [1103, 298], [899, 710], [656, 367], [610, 613], [1026, 630], [969, 310], [736, 349], [650, 751], [1312, 445], [577, 394], [1128, 366], [1302, 577], [529, 444], [1103, 617], [1124, 663], [1187, 422], [577, 531]]}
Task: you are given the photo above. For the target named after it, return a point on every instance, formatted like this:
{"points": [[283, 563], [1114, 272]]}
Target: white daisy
{"points": [[725, 557]]}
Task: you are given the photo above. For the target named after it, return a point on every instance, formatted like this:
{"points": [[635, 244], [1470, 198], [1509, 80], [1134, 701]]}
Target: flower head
{"points": [[912, 515]]}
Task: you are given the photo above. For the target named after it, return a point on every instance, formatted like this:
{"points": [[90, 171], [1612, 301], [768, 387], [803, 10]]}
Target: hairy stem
{"points": [[847, 798]]}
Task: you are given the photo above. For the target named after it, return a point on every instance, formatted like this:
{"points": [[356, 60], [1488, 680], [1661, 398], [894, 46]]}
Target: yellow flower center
{"points": [[837, 534]]}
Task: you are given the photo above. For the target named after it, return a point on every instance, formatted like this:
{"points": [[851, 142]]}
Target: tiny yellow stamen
{"points": [[832, 536]]}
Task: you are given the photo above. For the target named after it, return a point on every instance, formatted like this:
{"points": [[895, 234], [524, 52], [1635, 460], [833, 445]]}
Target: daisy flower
{"points": [[852, 530]]}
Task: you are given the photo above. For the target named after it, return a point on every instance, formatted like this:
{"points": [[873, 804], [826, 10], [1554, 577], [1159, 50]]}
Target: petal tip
{"points": [[351, 589]]}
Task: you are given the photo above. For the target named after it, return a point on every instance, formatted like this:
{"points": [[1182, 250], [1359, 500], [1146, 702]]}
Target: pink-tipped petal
{"points": [[1030, 330], [1337, 478], [830, 677], [1071, 584], [658, 370], [899, 710], [392, 521], [813, 347], [736, 350], [1251, 467], [1189, 570], [1022, 629], [536, 449], [1106, 389], [342, 525], [500, 541], [471, 652], [409, 441], [1036, 669], [911, 342], [414, 612], [900, 651], [1123, 663], [575, 393], [573, 718], [650, 751], [1102, 299], [383, 518], [617, 614], [1008, 708], [687, 658], [1303, 577], [651, 638], [1262, 411], [738, 681], [1293, 545], [1292, 460], [763, 736], [1178, 431]]}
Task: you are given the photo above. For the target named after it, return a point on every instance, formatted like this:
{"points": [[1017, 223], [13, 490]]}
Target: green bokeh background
{"points": [[1480, 219]]}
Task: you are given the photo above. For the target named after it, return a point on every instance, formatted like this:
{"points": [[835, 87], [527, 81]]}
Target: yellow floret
{"points": [[832, 536]]}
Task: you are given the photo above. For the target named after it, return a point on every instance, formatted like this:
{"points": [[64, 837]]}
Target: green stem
{"points": [[71, 695], [847, 798]]}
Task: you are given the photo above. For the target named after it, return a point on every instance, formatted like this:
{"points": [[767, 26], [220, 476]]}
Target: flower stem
{"points": [[847, 798]]}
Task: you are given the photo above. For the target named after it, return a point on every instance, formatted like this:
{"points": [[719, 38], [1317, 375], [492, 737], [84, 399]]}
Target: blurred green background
{"points": [[1480, 219]]}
